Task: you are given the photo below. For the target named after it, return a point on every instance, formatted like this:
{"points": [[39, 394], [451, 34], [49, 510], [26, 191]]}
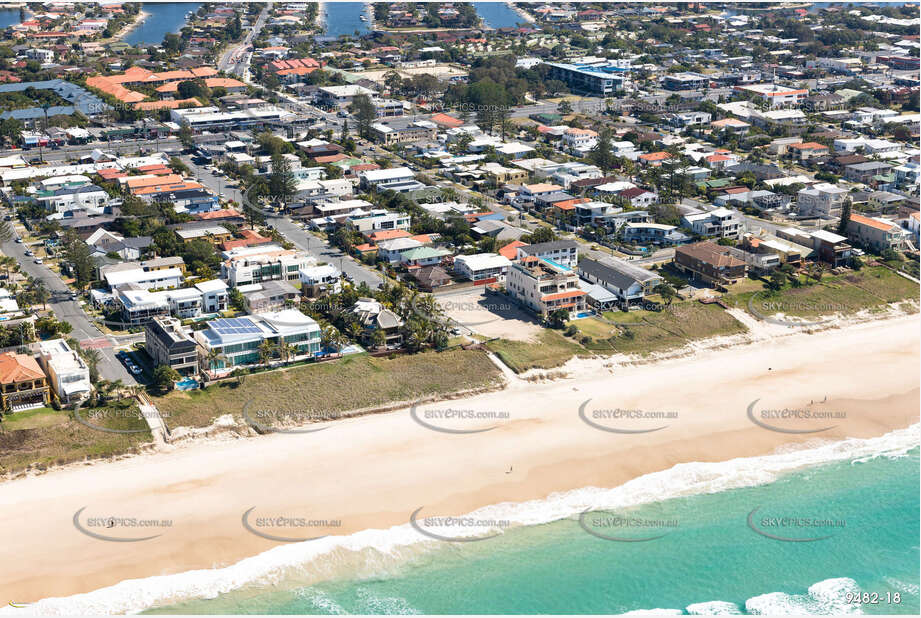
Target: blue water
{"points": [[344, 18], [498, 15], [187, 384], [8, 17], [707, 558], [164, 18]]}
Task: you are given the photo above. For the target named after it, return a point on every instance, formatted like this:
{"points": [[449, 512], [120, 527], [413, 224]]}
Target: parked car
{"points": [[37, 260], [29, 252]]}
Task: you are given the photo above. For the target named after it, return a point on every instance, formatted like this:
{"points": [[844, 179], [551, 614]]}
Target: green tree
{"points": [[601, 154], [186, 136], [557, 318], [363, 110], [282, 183], [164, 378], [845, 216]]}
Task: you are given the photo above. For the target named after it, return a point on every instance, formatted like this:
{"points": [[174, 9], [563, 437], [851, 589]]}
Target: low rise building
{"points": [[23, 384], [709, 262], [821, 200], [876, 233], [562, 252], [68, 373], [482, 268], [630, 283]]}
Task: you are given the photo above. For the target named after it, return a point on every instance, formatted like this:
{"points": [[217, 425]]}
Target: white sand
{"points": [[374, 471]]}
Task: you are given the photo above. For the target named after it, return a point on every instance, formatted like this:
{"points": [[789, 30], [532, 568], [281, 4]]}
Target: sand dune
{"points": [[376, 470]]}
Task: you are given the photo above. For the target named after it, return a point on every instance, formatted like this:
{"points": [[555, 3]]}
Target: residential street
{"points": [[84, 330]]}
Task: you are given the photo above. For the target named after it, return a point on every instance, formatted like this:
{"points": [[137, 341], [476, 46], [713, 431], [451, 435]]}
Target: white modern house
{"points": [[238, 340], [68, 374], [482, 266]]}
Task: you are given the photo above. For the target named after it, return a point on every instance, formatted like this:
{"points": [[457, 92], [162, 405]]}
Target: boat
{"points": [[363, 18]]}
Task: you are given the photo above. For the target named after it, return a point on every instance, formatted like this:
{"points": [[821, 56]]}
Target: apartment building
{"points": [[561, 252], [544, 286], [266, 263], [168, 343], [821, 200]]}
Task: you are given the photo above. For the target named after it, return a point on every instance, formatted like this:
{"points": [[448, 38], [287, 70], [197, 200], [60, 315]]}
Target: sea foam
{"points": [[401, 542]]}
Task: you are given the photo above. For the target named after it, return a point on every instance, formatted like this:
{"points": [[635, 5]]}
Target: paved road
{"points": [[216, 184], [76, 151], [70, 311], [235, 61], [323, 251]]}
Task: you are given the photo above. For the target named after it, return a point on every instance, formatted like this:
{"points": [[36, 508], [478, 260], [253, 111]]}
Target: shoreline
{"points": [[129, 28], [204, 488]]}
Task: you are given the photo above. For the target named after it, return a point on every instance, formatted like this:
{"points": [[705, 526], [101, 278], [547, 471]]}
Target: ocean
{"points": [[802, 531]]}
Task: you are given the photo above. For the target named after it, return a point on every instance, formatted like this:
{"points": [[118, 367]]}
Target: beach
{"points": [[375, 471], [142, 16]]}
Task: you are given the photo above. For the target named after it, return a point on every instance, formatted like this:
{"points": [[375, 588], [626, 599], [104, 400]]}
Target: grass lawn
{"points": [[641, 331], [869, 288], [552, 350], [44, 437], [355, 382]]}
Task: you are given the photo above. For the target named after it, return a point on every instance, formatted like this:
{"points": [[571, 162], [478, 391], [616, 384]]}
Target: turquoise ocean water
{"points": [[860, 497]]}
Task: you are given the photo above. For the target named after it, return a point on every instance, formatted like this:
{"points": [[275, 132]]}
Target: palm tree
{"points": [[287, 351], [213, 357], [92, 358], [266, 351], [41, 292]]}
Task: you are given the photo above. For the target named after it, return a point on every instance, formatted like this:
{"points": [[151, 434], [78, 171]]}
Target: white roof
{"points": [[482, 261], [346, 91], [392, 173], [121, 277], [214, 285], [829, 236]]}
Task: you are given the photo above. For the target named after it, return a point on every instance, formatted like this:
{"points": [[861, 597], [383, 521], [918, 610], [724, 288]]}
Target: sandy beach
{"points": [[374, 471], [128, 28]]}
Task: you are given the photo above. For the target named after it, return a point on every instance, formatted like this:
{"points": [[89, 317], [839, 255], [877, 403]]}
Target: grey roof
{"points": [[81, 99], [544, 247], [388, 319], [617, 272]]}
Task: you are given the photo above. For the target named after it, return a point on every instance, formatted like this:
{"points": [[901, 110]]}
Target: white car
{"points": [[37, 260]]}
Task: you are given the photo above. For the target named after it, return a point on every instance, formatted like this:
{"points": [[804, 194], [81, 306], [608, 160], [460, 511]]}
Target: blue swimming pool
{"points": [[585, 314], [187, 384]]}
